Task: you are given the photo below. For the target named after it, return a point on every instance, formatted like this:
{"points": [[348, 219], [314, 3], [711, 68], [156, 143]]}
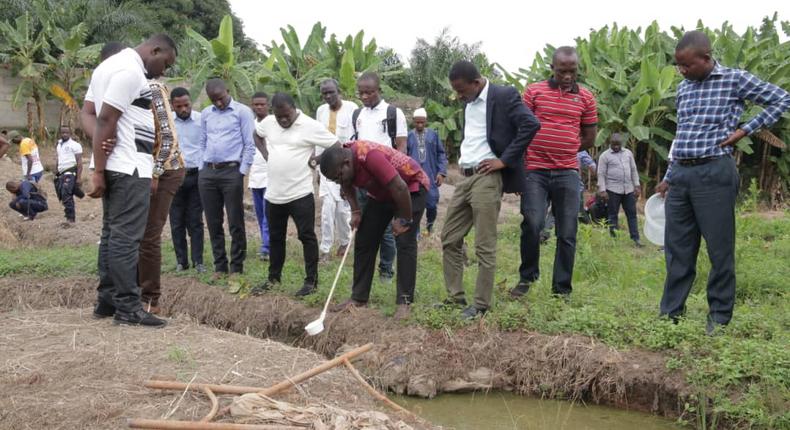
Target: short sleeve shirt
{"points": [[376, 165], [372, 124], [67, 152], [120, 82], [561, 115], [290, 149], [28, 147]]}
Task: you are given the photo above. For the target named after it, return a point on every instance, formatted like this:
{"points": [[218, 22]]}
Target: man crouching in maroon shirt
{"points": [[396, 187]]}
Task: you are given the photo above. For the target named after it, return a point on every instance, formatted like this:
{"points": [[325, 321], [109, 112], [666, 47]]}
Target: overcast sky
{"points": [[511, 32]]}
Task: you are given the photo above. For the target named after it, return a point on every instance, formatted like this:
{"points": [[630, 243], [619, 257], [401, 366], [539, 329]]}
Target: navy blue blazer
{"points": [[510, 127]]}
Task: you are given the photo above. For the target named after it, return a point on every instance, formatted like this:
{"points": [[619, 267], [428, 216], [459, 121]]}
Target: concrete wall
{"points": [[11, 118]]}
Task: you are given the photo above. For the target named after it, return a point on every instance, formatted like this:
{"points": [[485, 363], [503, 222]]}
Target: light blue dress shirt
{"points": [[188, 132], [227, 135]]}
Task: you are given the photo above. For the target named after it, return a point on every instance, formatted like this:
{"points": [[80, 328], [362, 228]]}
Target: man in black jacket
{"points": [[497, 129]]}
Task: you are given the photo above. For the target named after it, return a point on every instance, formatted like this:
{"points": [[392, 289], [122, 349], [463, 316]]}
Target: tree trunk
{"points": [[41, 132]]}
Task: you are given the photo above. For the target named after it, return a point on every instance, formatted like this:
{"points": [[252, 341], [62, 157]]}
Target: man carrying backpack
{"points": [[379, 122]]}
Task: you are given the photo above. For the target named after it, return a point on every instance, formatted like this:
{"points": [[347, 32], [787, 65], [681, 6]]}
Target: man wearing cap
{"points": [[424, 146]]}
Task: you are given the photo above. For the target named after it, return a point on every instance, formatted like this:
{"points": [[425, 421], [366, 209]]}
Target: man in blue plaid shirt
{"points": [[702, 180]]}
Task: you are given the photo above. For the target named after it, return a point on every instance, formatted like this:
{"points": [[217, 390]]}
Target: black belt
{"points": [[222, 165], [191, 171], [697, 161], [468, 171]]}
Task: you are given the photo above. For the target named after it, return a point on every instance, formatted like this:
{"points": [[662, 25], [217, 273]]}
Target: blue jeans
{"points": [[628, 202], [561, 187], [259, 201]]}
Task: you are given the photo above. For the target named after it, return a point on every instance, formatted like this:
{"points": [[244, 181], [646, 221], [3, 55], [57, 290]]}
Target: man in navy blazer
{"points": [[497, 129]]}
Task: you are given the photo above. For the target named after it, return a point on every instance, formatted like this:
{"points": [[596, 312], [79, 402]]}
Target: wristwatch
{"points": [[404, 222]]}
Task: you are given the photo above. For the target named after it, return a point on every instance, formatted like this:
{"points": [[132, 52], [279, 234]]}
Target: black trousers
{"points": [[224, 189], [701, 203], [376, 217], [186, 215], [303, 213], [628, 202], [124, 215], [65, 185]]}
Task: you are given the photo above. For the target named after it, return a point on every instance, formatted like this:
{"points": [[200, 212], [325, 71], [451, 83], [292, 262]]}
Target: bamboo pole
{"points": [[375, 393], [214, 405], [292, 382], [140, 423], [215, 388], [274, 389]]}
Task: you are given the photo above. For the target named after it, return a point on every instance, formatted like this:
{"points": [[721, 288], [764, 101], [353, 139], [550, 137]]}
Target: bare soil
{"points": [[409, 359], [61, 369]]}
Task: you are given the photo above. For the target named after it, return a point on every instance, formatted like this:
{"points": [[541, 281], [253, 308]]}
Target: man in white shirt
{"points": [[67, 180], [288, 140], [121, 95], [259, 176], [374, 123], [335, 115]]}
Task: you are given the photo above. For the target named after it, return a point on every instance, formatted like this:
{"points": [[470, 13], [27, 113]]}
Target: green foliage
{"points": [[216, 58]]}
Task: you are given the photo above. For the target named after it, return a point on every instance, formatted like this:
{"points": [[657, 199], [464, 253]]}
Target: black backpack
{"points": [[392, 123]]}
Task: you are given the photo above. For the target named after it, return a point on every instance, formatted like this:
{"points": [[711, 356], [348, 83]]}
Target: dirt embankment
{"points": [[410, 359]]}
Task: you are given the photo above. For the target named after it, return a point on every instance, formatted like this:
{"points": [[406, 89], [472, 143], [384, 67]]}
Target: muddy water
{"points": [[495, 411]]}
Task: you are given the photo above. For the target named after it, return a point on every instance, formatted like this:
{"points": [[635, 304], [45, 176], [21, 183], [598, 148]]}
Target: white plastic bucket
{"points": [[654, 231], [654, 209]]}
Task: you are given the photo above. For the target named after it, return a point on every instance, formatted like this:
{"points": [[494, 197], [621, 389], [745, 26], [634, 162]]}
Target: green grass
{"points": [[743, 375]]}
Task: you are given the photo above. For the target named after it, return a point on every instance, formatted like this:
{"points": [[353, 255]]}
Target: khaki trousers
{"points": [[475, 203]]}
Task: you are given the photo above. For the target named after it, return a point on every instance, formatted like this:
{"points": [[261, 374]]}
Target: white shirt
{"points": [[290, 149], [343, 130], [372, 124], [67, 152], [120, 82], [259, 172], [475, 147]]}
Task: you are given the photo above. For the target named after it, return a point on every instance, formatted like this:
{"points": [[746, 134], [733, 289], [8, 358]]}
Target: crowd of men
{"points": [[154, 157]]}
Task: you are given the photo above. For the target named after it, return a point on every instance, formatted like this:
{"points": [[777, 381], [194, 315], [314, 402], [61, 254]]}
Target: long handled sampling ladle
{"points": [[317, 326]]}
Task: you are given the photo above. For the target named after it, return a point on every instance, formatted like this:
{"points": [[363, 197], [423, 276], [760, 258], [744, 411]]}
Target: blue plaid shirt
{"points": [[709, 110]]}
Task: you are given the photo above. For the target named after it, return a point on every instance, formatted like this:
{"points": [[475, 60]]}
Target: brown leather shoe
{"points": [[341, 250], [348, 304], [402, 313]]}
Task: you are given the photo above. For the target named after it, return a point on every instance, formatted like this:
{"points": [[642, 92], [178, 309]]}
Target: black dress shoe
{"points": [[103, 310], [306, 290], [451, 303], [520, 289], [141, 318], [472, 312], [266, 286]]}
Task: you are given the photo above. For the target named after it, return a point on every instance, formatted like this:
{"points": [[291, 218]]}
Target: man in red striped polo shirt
{"points": [[568, 118]]}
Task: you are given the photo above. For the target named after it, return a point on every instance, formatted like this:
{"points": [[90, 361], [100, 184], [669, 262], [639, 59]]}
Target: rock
{"points": [[421, 386]]}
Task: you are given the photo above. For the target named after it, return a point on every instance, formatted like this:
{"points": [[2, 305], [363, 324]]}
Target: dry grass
{"points": [[61, 369]]}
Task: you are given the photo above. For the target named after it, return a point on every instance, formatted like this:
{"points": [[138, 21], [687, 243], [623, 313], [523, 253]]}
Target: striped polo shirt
{"points": [[561, 115]]}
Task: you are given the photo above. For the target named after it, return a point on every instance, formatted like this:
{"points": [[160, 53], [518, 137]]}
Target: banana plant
{"points": [[219, 60], [27, 50]]}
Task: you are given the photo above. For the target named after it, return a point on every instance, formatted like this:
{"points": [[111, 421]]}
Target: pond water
{"points": [[495, 411]]}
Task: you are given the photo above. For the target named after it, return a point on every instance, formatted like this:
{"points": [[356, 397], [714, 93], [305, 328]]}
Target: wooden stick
{"points": [[375, 393], [214, 405], [140, 423], [215, 388], [292, 382]]}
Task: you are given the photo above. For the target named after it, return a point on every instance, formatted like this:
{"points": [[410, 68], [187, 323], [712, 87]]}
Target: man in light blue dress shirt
{"points": [[186, 211], [228, 149]]}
